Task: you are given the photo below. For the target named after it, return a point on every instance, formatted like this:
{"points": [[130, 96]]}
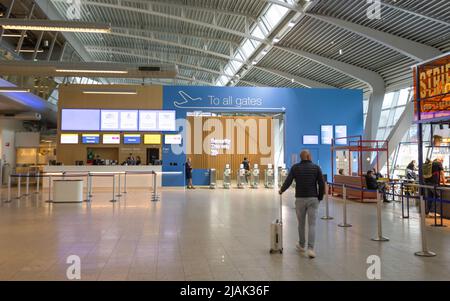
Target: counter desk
{"points": [[136, 176]]}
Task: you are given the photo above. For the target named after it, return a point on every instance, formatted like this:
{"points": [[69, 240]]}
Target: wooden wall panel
{"points": [[253, 141], [71, 96]]}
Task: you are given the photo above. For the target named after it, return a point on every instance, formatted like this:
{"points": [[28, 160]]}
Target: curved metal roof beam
{"points": [[182, 35], [194, 7], [417, 51], [97, 48], [415, 14], [126, 52], [309, 83], [175, 44], [182, 18]]}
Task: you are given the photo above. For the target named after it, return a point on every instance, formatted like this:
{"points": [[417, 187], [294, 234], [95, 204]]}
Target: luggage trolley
{"points": [[227, 177], [269, 176], [255, 177]]}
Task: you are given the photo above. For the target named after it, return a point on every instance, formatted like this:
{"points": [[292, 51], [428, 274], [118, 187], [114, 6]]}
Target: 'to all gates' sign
{"points": [[432, 89]]}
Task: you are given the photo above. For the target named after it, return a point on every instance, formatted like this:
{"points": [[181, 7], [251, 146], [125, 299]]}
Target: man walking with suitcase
{"points": [[309, 191]]}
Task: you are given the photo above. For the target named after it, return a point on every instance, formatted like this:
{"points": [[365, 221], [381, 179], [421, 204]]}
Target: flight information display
{"points": [[148, 121], [80, 120], [118, 120], [129, 120], [109, 120], [166, 121]]}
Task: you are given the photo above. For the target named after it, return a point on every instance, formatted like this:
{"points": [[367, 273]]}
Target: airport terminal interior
{"points": [[224, 140]]}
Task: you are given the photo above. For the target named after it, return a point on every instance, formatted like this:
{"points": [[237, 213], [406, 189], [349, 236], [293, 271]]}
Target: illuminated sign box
{"points": [[111, 139], [69, 139], [172, 139], [310, 139], [340, 132], [131, 139], [90, 138], [80, 120], [152, 139], [326, 134]]}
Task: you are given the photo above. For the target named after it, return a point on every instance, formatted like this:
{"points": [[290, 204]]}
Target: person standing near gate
{"points": [[309, 191], [188, 171]]}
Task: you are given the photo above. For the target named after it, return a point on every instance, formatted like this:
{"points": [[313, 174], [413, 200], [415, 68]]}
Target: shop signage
{"points": [[432, 87]]}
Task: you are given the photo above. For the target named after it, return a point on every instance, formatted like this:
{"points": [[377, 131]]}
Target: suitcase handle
{"points": [[281, 208]]}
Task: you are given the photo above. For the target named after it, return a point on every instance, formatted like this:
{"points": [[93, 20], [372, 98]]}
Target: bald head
{"points": [[305, 155]]}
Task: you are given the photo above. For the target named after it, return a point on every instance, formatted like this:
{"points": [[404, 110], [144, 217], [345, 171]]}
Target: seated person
{"points": [[372, 184], [341, 171], [138, 160]]}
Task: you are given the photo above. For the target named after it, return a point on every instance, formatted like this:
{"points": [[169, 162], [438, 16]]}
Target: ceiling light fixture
{"points": [[55, 25], [13, 90], [31, 50], [14, 35], [91, 71], [111, 92]]}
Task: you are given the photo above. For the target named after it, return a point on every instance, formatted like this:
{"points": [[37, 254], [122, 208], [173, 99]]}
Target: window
{"points": [[387, 102]]}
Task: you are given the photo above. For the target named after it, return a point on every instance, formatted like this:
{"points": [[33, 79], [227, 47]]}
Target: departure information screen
{"points": [[118, 120]]}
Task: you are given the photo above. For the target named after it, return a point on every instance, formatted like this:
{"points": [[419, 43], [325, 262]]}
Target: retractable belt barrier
{"points": [[425, 252], [344, 223]]}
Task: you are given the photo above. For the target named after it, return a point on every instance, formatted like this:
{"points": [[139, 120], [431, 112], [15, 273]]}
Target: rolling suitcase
{"points": [[276, 232]]}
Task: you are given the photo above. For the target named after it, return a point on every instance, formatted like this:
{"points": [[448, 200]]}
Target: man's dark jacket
{"points": [[308, 178]]}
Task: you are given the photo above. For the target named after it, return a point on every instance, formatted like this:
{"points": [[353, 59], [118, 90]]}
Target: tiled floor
{"points": [[206, 235]]}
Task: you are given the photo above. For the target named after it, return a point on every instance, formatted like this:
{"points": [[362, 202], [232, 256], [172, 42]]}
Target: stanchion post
{"points": [[37, 182], [118, 190], [380, 236], [344, 208], [9, 190], [27, 191], [19, 184], [155, 191], [114, 189], [425, 252], [87, 188], [327, 209], [125, 183], [49, 190]]}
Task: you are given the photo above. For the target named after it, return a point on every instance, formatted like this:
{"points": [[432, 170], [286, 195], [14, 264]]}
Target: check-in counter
{"points": [[136, 176]]}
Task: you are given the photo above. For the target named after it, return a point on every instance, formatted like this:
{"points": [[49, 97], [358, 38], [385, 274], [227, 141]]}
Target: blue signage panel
{"points": [[131, 139], [90, 139], [304, 112]]}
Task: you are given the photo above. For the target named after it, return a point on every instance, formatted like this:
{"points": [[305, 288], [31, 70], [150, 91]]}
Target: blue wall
{"points": [[305, 111]]}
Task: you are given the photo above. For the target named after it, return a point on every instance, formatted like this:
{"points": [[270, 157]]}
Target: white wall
{"points": [[8, 128]]}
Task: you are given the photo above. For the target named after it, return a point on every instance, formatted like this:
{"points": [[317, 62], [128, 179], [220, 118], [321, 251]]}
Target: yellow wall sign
{"points": [[152, 139]]}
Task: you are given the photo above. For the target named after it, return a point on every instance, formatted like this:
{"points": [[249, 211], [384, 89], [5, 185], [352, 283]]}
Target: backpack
{"points": [[427, 170]]}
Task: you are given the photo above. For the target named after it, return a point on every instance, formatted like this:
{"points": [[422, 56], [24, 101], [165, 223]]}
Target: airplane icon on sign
{"points": [[186, 98]]}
